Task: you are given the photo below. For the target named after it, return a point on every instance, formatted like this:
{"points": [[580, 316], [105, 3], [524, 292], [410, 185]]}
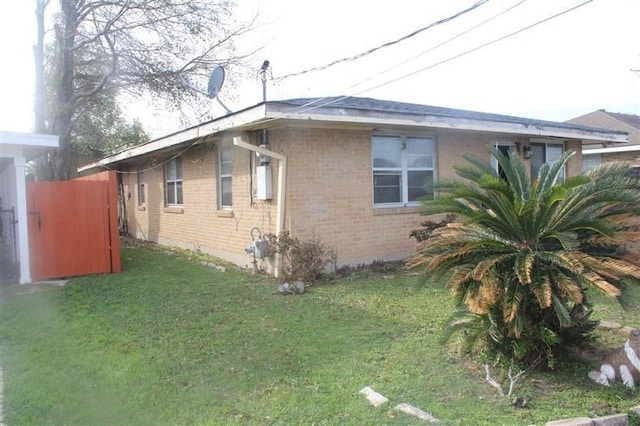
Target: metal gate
{"points": [[9, 265]]}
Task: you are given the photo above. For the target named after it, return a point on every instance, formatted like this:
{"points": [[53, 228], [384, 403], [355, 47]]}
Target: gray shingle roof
{"points": [[630, 119], [383, 106]]}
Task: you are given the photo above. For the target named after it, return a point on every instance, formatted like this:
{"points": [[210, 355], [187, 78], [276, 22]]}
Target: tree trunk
{"points": [[64, 115], [38, 53]]}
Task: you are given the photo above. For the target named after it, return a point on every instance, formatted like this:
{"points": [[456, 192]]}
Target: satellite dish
{"points": [[216, 79]]}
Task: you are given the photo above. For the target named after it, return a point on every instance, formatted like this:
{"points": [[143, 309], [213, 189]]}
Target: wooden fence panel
{"points": [[70, 228]]}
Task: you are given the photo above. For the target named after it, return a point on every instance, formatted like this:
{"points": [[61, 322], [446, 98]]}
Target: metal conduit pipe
{"points": [[282, 183]]}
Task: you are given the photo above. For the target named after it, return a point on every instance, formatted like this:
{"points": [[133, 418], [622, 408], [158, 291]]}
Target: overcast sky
{"points": [[565, 67]]}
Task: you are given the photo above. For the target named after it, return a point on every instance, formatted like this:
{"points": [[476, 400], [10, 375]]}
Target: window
{"points": [[542, 153], [173, 182], [141, 187], [590, 161], [225, 166], [403, 169]]}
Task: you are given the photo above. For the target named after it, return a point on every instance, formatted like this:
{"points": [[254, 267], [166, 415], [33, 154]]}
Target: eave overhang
{"points": [[267, 114], [28, 145]]}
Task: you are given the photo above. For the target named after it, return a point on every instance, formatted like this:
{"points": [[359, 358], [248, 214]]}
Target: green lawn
{"points": [[169, 341]]}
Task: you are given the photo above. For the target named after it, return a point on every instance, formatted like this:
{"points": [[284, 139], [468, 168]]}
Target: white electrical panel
{"points": [[264, 183]]}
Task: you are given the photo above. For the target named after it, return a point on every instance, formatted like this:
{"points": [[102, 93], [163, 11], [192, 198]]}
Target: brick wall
{"points": [[330, 190], [329, 195], [199, 224]]}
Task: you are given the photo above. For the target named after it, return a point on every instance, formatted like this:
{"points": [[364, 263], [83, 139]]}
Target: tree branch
{"points": [[491, 381], [106, 76], [513, 379]]}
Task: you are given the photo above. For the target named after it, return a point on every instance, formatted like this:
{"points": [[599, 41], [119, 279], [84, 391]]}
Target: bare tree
{"points": [[38, 53], [107, 47]]}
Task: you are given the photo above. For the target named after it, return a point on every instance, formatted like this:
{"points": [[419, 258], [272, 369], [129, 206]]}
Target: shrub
{"points": [[525, 252], [306, 260]]}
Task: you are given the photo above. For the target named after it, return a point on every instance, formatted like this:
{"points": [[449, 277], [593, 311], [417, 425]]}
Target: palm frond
{"points": [[542, 290], [568, 288], [523, 267], [610, 267], [561, 311], [597, 281]]}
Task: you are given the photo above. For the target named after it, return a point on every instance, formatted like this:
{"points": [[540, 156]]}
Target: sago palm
{"points": [[522, 254]]}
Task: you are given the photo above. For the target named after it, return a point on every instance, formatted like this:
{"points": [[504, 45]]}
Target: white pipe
{"points": [[282, 183]]}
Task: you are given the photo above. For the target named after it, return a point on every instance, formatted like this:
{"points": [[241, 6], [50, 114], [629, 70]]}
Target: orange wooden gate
{"points": [[73, 227]]}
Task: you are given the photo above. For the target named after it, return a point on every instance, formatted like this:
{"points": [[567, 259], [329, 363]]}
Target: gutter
{"points": [[613, 149], [282, 183]]}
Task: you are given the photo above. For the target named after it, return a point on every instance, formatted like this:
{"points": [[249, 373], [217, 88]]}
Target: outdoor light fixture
{"points": [[526, 151]]}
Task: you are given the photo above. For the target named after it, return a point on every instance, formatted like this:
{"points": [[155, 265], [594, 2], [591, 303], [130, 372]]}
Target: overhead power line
{"points": [[451, 58], [387, 44], [431, 49]]}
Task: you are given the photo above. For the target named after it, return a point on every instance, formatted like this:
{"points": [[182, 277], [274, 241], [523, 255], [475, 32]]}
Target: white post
{"points": [[282, 185], [22, 218]]}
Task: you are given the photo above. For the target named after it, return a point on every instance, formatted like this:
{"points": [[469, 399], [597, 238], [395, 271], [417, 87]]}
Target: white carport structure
{"points": [[16, 149]]}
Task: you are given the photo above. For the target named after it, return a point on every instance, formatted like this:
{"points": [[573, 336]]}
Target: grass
{"points": [[169, 341]]}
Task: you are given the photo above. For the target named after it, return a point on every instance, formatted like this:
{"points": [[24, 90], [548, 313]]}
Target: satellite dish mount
{"points": [[216, 79]]}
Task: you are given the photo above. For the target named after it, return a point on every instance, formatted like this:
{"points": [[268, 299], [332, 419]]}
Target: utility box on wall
{"points": [[264, 183]]}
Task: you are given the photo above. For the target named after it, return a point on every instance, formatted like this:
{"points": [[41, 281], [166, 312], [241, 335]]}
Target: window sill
{"points": [[173, 210], [224, 213], [142, 208], [379, 211]]}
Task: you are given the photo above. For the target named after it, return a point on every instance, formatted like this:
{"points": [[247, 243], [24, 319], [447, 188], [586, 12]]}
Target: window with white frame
{"points": [[173, 182], [403, 169], [225, 167], [541, 153], [141, 187]]}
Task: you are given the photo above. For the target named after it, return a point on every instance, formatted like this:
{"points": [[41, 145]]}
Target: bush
{"points": [[305, 260], [525, 251]]}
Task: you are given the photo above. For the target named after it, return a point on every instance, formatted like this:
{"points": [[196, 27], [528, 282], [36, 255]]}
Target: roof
{"points": [[369, 113], [29, 145], [383, 106], [629, 119]]}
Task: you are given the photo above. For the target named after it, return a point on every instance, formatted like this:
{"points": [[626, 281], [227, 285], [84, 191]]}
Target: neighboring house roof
{"points": [[629, 123], [27, 145], [372, 113], [630, 119]]}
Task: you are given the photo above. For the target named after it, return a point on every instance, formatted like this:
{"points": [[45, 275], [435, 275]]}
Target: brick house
{"points": [[628, 152], [347, 170]]}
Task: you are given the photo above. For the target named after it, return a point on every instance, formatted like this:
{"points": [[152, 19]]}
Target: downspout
{"points": [[282, 183]]}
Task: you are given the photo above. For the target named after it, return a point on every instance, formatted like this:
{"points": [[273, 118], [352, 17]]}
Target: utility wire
{"points": [[440, 44], [417, 56], [451, 58], [310, 108], [382, 46]]}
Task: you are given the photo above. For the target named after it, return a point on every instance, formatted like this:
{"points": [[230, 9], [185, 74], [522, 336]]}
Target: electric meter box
{"points": [[264, 180]]}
